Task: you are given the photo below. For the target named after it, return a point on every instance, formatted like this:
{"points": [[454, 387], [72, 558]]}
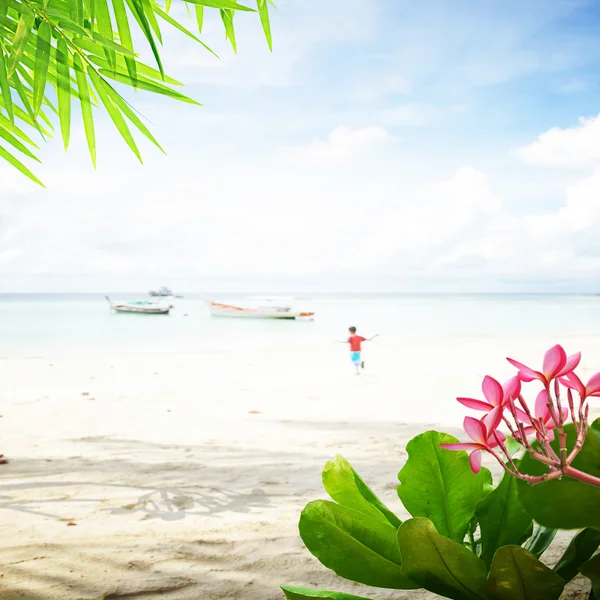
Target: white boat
{"points": [[162, 291], [140, 306], [268, 308]]}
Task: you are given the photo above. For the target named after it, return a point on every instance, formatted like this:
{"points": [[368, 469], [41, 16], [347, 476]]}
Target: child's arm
{"points": [[372, 338]]}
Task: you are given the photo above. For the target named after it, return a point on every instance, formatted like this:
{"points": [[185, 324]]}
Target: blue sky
{"points": [[384, 145]]}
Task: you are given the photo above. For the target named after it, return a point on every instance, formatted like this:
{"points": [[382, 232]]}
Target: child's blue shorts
{"points": [[355, 357]]}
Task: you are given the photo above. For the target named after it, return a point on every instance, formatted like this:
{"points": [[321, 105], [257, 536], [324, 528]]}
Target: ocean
{"points": [[37, 325]]}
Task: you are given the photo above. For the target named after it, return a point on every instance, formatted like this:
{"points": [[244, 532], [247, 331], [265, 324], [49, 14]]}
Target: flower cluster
{"points": [[533, 429]]}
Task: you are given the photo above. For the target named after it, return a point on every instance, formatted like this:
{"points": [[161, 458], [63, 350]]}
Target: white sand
{"points": [[151, 478]]}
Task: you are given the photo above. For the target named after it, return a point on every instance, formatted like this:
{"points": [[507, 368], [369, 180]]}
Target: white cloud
{"points": [[573, 147], [342, 146], [410, 114]]}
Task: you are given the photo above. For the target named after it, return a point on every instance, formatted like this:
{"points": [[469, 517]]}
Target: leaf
{"points": [[346, 487], [141, 69], [199, 17], [296, 593], [86, 107], [6, 155], [227, 18], [263, 10], [439, 484], [580, 550], [15, 143], [138, 12], [502, 518], [540, 540], [546, 501], [518, 575], [76, 11], [64, 90], [105, 29], [222, 4], [353, 545], [124, 33], [5, 86], [20, 40], [591, 570], [42, 60], [438, 564]]}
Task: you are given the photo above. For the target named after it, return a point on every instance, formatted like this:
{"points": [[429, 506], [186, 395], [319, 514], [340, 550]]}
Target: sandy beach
{"points": [[183, 476]]}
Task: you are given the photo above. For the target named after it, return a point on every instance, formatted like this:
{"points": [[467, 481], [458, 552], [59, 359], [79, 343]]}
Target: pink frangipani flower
{"points": [[495, 394], [556, 364], [542, 413], [483, 433], [592, 388]]}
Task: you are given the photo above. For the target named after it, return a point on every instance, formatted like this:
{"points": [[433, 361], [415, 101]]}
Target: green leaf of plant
{"points": [[5, 86], [438, 564], [439, 484], [6, 155], [137, 10], [14, 129], [222, 4], [64, 90], [518, 575], [105, 29], [263, 10], [20, 40], [199, 17], [296, 593], [15, 143], [124, 33], [42, 60], [346, 487], [227, 18], [546, 501], [142, 70], [86, 107], [580, 550], [591, 570], [353, 545], [502, 518], [541, 539]]}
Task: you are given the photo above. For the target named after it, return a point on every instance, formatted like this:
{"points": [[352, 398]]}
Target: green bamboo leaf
{"points": [[138, 13], [143, 71], [227, 18], [64, 90], [296, 593], [76, 11], [199, 17], [14, 129], [86, 106], [124, 33], [5, 86], [353, 545], [516, 574], [439, 484], [346, 487], [90, 10], [222, 4], [149, 12], [181, 28], [106, 30], [42, 60], [438, 564], [19, 7], [72, 27], [115, 114], [168, 5], [502, 519], [15, 143], [19, 42], [99, 43], [263, 10], [19, 166], [580, 550]]}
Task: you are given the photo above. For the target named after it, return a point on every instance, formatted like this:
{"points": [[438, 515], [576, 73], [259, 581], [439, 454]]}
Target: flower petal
{"points": [[571, 364], [475, 404], [541, 406], [492, 420], [593, 385], [522, 416], [554, 361], [525, 371], [512, 388], [475, 430], [492, 390], [475, 461], [465, 446], [573, 382]]}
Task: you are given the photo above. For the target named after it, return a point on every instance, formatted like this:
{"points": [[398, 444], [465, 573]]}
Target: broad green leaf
{"points": [[591, 570], [580, 550], [42, 59], [263, 10], [5, 86], [438, 564], [6, 155], [124, 33], [439, 484], [353, 545], [86, 107], [541, 539], [64, 90], [199, 17], [502, 519], [546, 501], [296, 593], [518, 575], [227, 18], [346, 487], [115, 114], [20, 40], [222, 4]]}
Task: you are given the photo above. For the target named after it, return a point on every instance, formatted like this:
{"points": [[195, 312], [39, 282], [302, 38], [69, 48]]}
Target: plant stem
{"points": [[581, 476]]}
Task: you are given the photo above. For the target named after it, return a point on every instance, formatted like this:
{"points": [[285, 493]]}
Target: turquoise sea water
{"points": [[42, 325]]}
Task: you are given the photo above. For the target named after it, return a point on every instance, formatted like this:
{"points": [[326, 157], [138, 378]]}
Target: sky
{"points": [[383, 146]]}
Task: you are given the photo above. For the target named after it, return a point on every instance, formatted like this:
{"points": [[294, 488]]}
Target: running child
{"points": [[355, 342]]}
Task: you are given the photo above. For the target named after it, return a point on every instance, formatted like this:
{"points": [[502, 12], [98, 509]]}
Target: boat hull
{"points": [[224, 310], [141, 311]]}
